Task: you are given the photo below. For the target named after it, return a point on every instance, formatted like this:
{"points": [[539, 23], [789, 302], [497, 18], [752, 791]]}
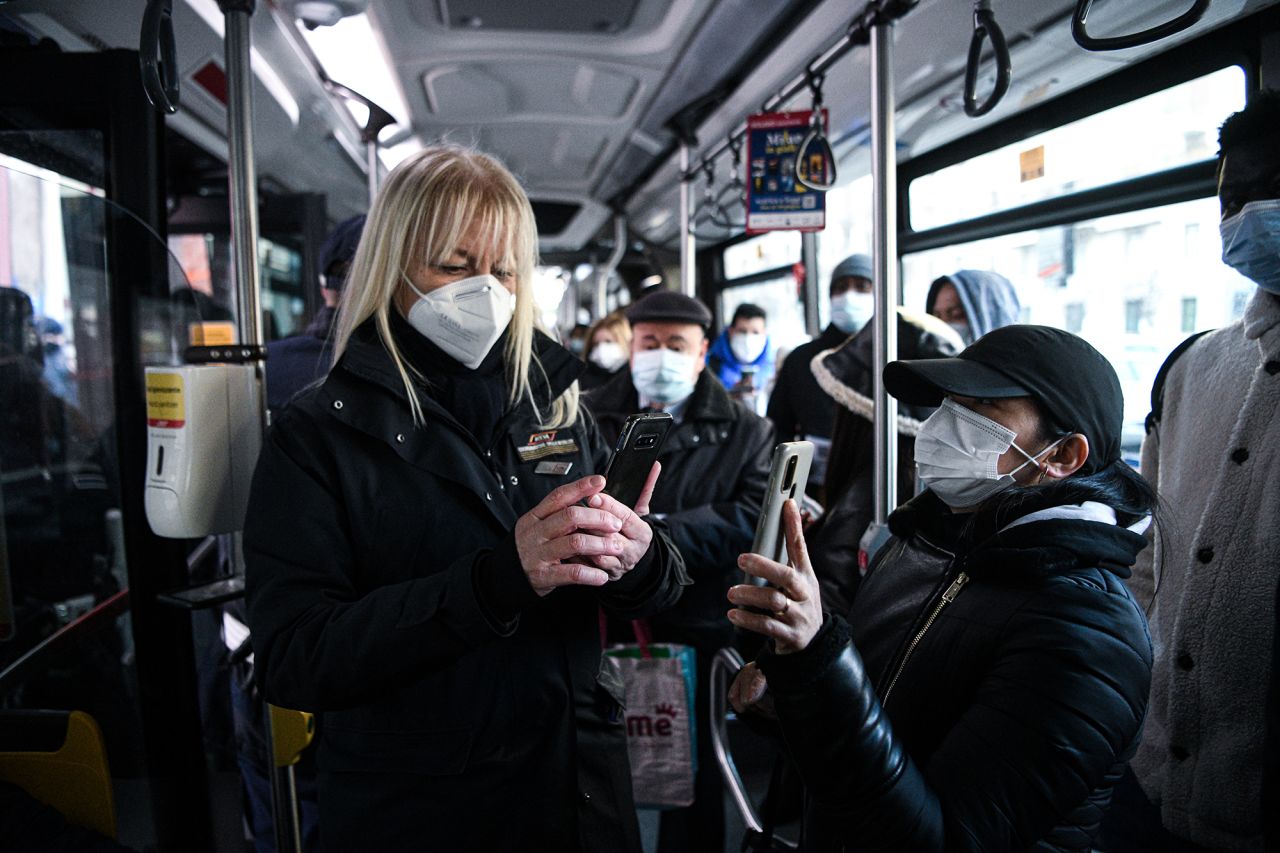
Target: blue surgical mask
{"points": [[851, 310], [662, 375], [1251, 243]]}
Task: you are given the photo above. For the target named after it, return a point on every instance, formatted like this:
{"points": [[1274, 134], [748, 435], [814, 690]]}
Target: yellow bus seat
{"points": [[58, 757], [291, 733]]}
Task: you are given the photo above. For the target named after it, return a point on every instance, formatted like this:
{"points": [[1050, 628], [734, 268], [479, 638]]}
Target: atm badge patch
{"points": [[543, 444]]}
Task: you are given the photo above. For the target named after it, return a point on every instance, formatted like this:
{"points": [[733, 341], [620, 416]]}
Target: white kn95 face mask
{"points": [[465, 318]]}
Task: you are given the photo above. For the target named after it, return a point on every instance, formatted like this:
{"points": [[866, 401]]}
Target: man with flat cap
{"points": [[989, 681], [715, 468]]}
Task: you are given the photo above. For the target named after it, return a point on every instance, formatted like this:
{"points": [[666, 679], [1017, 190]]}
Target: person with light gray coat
{"points": [[1209, 578]]}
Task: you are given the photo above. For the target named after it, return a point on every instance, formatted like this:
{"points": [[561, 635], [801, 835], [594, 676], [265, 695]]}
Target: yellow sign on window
{"points": [[1031, 164], [211, 334], [165, 405]]}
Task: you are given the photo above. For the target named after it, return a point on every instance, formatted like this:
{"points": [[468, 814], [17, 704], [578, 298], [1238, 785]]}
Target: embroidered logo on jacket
{"points": [[543, 444]]}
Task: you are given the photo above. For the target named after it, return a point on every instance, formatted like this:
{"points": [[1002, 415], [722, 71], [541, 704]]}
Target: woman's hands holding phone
{"points": [[562, 543], [792, 607], [635, 531]]}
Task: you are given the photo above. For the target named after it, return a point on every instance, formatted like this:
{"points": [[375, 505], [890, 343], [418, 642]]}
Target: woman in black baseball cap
{"points": [[990, 681]]}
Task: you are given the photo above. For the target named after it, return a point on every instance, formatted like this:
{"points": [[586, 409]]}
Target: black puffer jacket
{"points": [[1011, 708]]}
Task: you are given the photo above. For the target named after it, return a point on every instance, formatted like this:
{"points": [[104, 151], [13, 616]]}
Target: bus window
{"points": [[1171, 128], [1134, 285], [848, 232]]}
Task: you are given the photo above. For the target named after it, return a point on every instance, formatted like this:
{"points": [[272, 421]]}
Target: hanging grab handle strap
{"points": [[815, 145], [159, 56], [985, 27], [1081, 34]]}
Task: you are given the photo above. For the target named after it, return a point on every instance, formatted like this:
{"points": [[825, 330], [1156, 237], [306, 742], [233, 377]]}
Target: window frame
{"points": [[1236, 44]]}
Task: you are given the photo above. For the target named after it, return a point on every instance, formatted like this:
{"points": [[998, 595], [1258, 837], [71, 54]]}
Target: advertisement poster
{"points": [[776, 201]]}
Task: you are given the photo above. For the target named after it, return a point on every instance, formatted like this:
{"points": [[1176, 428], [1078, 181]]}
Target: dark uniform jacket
{"points": [[1010, 710], [715, 468], [443, 726]]}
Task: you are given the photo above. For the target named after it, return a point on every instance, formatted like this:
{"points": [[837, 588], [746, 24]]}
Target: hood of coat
{"points": [[997, 549], [989, 299], [845, 373], [618, 397], [366, 356]]}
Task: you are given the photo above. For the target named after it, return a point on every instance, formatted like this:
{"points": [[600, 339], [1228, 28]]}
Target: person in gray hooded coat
{"points": [[973, 302]]}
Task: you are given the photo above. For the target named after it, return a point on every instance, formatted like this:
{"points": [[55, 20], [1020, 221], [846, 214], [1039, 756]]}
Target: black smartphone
{"points": [[633, 457]]}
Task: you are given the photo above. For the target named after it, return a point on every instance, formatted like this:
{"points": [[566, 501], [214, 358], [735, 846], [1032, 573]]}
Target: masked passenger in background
{"points": [[798, 407], [990, 679], [427, 548], [608, 350], [845, 375], [743, 357]]}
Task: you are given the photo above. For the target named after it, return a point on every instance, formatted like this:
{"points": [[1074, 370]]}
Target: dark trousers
{"points": [[1132, 824], [253, 748]]}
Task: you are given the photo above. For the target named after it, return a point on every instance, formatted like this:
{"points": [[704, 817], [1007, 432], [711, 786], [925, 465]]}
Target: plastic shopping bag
{"points": [[661, 686]]}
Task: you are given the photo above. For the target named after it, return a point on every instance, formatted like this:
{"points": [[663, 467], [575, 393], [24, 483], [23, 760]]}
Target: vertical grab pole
{"points": [[688, 243], [884, 169], [242, 174], [371, 163], [809, 255], [610, 266]]}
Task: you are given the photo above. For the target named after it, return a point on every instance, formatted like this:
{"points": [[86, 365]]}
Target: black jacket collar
{"points": [[709, 401], [1035, 549], [366, 357]]}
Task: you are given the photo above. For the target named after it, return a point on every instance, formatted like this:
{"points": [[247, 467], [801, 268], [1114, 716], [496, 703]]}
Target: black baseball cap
{"points": [[1074, 384], [339, 248], [667, 306]]}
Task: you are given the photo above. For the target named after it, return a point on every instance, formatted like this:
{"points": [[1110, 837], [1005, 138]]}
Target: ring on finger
{"points": [[786, 605]]}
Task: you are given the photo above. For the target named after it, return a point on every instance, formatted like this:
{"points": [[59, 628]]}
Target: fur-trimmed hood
{"points": [[845, 373]]}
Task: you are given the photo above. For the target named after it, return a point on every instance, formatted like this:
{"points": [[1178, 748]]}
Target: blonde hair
{"points": [[428, 205], [617, 325]]}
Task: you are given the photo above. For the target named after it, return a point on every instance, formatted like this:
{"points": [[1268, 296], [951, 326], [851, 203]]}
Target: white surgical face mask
{"points": [[958, 451], [663, 375], [747, 346], [851, 310], [964, 330], [608, 354], [465, 318], [1251, 243]]}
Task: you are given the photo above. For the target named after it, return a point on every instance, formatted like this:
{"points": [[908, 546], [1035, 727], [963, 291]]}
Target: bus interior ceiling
{"points": [[580, 97]]}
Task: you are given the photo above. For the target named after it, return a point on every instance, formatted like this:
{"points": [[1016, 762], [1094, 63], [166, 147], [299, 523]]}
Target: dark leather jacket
{"points": [[993, 713]]}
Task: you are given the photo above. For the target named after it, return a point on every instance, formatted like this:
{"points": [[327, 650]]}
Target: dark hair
{"points": [[1254, 124], [747, 311], [1115, 484]]}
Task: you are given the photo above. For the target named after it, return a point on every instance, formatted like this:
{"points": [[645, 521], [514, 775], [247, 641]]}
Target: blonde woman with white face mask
{"points": [[428, 545], [608, 349], [989, 682]]}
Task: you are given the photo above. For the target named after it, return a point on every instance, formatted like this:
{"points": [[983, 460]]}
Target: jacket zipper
{"points": [[947, 597]]}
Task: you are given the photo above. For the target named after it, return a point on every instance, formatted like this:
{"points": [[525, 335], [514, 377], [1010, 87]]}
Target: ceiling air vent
{"points": [[604, 17], [553, 216]]}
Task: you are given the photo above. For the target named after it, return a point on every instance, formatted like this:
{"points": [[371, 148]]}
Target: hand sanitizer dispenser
{"points": [[204, 431]]}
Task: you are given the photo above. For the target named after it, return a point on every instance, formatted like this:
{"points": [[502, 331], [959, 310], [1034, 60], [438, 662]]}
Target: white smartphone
{"points": [[788, 476]]}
